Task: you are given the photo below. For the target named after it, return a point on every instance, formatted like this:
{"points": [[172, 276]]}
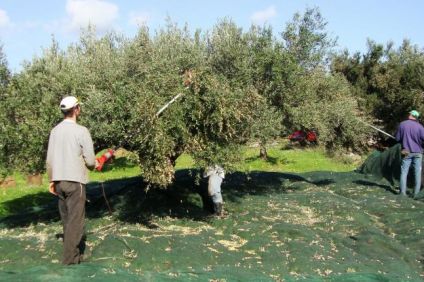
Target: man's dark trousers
{"points": [[72, 212]]}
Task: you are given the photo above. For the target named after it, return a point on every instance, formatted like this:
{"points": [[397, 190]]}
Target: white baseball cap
{"points": [[68, 103]]}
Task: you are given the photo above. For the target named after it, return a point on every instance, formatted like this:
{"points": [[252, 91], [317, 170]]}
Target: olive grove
{"points": [[234, 87]]}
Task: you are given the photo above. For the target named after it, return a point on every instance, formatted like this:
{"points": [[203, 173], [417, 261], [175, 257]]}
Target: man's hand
{"points": [[52, 188]]}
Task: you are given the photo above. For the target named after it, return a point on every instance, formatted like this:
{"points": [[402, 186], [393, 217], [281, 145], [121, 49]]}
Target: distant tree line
{"points": [[387, 82], [237, 86]]}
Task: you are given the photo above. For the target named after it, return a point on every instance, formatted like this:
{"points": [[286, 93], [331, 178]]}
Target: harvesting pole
{"points": [[378, 129], [168, 104], [187, 82]]}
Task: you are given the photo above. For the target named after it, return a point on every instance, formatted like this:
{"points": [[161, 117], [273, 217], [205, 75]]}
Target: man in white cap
{"points": [[70, 152]]}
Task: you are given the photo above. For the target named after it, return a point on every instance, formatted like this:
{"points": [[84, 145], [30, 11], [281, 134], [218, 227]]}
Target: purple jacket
{"points": [[411, 135]]}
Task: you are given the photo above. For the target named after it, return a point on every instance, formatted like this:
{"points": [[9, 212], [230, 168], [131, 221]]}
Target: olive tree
{"points": [[306, 40], [325, 103], [5, 141], [122, 84], [30, 111]]}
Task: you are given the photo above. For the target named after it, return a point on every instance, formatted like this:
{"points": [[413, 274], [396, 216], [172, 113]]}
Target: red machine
{"points": [[311, 136], [103, 159], [303, 137]]}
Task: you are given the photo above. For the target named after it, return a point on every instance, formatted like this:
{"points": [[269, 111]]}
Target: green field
{"points": [[296, 160], [298, 216]]}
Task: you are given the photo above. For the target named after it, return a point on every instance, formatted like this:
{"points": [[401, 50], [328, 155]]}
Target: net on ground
{"points": [[317, 226]]}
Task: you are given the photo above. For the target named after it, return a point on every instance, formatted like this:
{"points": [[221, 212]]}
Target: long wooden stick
{"points": [[157, 114], [169, 103], [379, 130]]}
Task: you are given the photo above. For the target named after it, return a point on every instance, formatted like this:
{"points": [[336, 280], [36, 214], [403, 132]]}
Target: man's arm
{"points": [[52, 187], [49, 159], [398, 134], [208, 171], [422, 134], [88, 150]]}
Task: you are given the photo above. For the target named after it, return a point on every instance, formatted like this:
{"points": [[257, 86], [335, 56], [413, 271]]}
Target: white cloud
{"points": [[99, 13], [31, 24], [4, 19], [139, 18], [261, 17]]}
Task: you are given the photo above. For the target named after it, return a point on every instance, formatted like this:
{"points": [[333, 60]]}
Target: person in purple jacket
{"points": [[411, 136]]}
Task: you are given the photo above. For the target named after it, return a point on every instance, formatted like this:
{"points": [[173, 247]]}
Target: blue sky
{"points": [[27, 26]]}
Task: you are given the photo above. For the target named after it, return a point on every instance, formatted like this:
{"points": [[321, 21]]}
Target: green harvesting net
{"points": [[384, 164], [317, 226]]}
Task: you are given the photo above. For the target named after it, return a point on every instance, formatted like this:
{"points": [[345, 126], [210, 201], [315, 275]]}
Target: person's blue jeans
{"points": [[416, 160], [217, 198]]}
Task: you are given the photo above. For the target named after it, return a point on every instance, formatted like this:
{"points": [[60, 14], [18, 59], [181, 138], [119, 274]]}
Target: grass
{"points": [[121, 168], [292, 160], [284, 160]]}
